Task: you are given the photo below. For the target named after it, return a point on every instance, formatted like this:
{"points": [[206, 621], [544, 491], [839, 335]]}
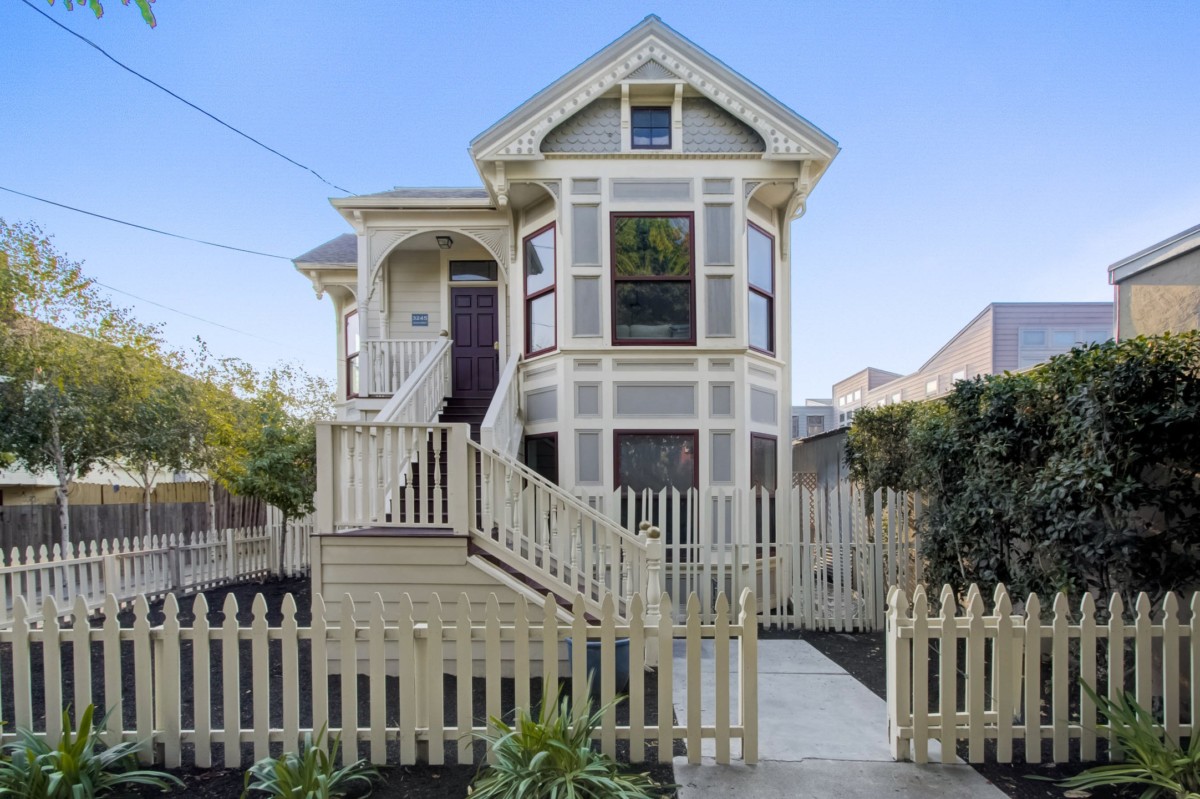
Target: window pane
{"points": [[660, 137], [1033, 338], [762, 463], [762, 273], [352, 332], [472, 270], [541, 455], [656, 460], [539, 261], [352, 375], [541, 323], [1064, 339], [760, 322], [655, 245], [1096, 336], [654, 310]]}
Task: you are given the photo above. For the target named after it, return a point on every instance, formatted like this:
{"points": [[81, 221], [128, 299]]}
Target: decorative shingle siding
{"points": [[709, 129], [595, 129]]}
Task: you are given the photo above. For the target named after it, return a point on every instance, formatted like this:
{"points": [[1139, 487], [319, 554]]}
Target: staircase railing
{"points": [[390, 362], [538, 528], [420, 398], [501, 429], [393, 475]]}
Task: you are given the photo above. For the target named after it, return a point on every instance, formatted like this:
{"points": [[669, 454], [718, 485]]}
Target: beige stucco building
{"points": [[1158, 289]]}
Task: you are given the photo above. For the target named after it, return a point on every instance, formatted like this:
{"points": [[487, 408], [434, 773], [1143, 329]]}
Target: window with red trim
{"points": [[653, 279], [541, 314], [760, 267]]}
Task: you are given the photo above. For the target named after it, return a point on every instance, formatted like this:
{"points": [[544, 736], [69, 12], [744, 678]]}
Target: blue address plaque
{"points": [[420, 320]]}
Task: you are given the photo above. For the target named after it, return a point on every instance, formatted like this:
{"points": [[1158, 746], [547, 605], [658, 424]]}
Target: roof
{"points": [[432, 193], [556, 102], [341, 250], [1155, 254]]}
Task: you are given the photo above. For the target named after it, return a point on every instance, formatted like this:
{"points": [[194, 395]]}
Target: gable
{"points": [[595, 129], [653, 53]]}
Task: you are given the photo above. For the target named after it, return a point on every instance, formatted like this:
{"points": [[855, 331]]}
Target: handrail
{"points": [[429, 381], [389, 362], [565, 496], [504, 412]]}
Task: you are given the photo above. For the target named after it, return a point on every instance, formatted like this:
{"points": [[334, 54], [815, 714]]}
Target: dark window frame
{"points": [[634, 127], [351, 357], [690, 341], [551, 289], [494, 269], [618, 434], [769, 297], [557, 454], [774, 440]]}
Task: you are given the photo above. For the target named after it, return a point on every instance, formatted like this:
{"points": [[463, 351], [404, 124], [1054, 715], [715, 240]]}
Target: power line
{"points": [[143, 227], [214, 118], [189, 315]]}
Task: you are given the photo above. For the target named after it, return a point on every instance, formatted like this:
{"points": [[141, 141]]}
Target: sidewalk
{"points": [[821, 734]]}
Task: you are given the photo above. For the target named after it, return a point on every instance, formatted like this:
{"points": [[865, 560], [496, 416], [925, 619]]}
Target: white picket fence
{"points": [[151, 567], [1015, 677], [417, 652], [830, 571]]}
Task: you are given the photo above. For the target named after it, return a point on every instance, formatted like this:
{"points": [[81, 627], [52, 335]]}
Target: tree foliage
{"points": [[98, 8], [1083, 474]]}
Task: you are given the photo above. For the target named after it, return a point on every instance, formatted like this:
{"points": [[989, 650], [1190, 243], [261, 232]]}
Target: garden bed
{"points": [[415, 781]]}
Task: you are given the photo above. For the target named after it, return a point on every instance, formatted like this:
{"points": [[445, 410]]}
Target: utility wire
{"points": [[143, 227], [188, 315], [214, 118]]}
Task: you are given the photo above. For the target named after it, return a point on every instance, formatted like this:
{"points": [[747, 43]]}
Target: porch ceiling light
{"points": [[445, 242]]}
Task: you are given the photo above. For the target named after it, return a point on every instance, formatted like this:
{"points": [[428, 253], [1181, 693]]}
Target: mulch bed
{"points": [[415, 781], [863, 656]]}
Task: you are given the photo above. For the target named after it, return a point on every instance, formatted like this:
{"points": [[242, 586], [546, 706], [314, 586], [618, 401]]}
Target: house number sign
{"points": [[420, 320]]}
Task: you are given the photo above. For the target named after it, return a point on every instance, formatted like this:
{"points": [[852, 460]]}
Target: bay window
{"points": [[760, 266], [653, 279], [656, 459], [540, 309]]}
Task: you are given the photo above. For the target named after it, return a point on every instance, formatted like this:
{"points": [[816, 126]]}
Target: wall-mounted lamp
{"points": [[445, 242]]}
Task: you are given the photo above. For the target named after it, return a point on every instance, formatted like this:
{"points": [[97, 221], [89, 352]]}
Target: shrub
{"points": [[552, 756], [79, 766], [309, 773], [1153, 760], [1078, 475]]}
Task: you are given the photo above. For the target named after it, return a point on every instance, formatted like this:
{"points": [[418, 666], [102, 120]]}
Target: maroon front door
{"points": [[474, 321]]}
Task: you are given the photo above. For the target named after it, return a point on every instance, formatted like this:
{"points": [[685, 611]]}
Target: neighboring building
{"points": [[1003, 337], [854, 392], [615, 297], [812, 418], [1158, 289]]}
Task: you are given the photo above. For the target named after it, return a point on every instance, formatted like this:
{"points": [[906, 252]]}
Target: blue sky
{"points": [[990, 151]]}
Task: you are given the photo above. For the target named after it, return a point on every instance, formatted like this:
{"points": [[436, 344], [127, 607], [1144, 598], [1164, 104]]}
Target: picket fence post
{"points": [[231, 568]]}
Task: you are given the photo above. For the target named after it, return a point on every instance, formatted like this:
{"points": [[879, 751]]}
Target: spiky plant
{"points": [[78, 766], [309, 773], [552, 756]]}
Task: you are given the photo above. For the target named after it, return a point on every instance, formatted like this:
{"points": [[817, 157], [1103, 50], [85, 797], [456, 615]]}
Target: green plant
{"points": [[552, 756], [78, 767], [1152, 758], [309, 773]]}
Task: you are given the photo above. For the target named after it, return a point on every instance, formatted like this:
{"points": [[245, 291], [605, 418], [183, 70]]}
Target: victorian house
{"points": [[597, 335]]}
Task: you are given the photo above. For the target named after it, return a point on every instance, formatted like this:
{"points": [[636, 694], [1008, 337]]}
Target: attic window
{"points": [[651, 128]]}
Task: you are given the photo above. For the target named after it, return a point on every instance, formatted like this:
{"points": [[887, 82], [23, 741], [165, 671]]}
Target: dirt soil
{"points": [[413, 782], [862, 654]]}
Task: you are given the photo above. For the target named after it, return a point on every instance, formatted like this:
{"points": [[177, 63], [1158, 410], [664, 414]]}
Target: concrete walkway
{"points": [[821, 734]]}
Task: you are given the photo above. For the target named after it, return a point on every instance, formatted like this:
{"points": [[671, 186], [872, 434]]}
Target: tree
{"points": [[68, 357], [98, 8]]}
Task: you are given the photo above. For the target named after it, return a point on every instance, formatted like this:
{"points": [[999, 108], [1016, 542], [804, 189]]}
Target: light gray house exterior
{"points": [[812, 418], [1003, 337]]}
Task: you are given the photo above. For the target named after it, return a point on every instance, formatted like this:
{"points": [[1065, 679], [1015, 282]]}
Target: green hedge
{"points": [[1083, 473]]}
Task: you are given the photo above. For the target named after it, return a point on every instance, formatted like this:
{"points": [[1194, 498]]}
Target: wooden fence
{"points": [[150, 567], [831, 571], [1014, 678], [37, 525], [198, 673]]}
